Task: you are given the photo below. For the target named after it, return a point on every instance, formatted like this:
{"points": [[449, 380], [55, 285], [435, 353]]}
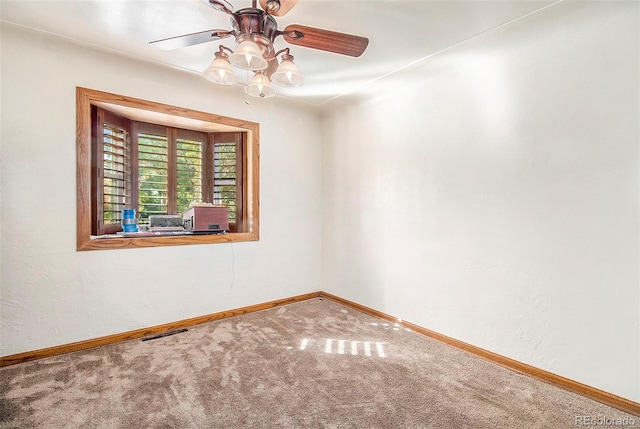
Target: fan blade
{"points": [[285, 6], [325, 40], [190, 39]]}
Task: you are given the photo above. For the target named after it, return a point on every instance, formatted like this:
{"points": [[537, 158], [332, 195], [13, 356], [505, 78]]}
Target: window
{"points": [[159, 159], [189, 172], [161, 170], [153, 177]]}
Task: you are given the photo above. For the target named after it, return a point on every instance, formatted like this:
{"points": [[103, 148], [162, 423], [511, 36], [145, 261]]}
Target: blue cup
{"points": [[129, 221]]}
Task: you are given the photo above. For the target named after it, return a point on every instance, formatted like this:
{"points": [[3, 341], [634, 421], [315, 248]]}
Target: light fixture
{"points": [[220, 71], [287, 73], [260, 86], [250, 55]]}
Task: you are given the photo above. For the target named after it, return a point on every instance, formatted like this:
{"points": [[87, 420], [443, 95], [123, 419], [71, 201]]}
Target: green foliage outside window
{"points": [[189, 174]]}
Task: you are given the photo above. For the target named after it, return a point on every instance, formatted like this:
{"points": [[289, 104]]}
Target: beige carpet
{"points": [[312, 364]]}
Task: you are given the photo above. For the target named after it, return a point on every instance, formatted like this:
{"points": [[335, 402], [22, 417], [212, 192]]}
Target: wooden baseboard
{"points": [[615, 401], [607, 398], [140, 333]]}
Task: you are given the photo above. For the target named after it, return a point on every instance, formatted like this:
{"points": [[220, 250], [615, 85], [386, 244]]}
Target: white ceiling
{"points": [[400, 32]]}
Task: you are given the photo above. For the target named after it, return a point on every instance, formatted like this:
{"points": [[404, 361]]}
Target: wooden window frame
{"points": [[172, 116]]}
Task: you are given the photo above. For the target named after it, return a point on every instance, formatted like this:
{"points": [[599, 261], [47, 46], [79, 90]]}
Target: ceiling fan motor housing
{"points": [[255, 24]]}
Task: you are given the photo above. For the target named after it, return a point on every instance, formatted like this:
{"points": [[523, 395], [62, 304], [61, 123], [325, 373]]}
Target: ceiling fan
{"points": [[255, 29]]}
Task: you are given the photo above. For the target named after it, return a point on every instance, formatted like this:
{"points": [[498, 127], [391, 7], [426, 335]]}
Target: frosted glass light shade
{"points": [[248, 56], [287, 73], [260, 87], [220, 71]]}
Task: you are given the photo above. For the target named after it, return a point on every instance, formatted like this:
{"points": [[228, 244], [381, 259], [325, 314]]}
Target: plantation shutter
{"points": [[117, 168], [111, 175], [227, 176]]}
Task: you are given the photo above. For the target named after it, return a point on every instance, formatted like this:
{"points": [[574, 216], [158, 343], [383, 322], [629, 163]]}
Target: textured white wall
{"points": [[492, 194], [53, 295]]}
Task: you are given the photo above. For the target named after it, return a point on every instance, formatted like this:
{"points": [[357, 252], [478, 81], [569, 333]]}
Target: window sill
{"points": [[158, 241]]}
